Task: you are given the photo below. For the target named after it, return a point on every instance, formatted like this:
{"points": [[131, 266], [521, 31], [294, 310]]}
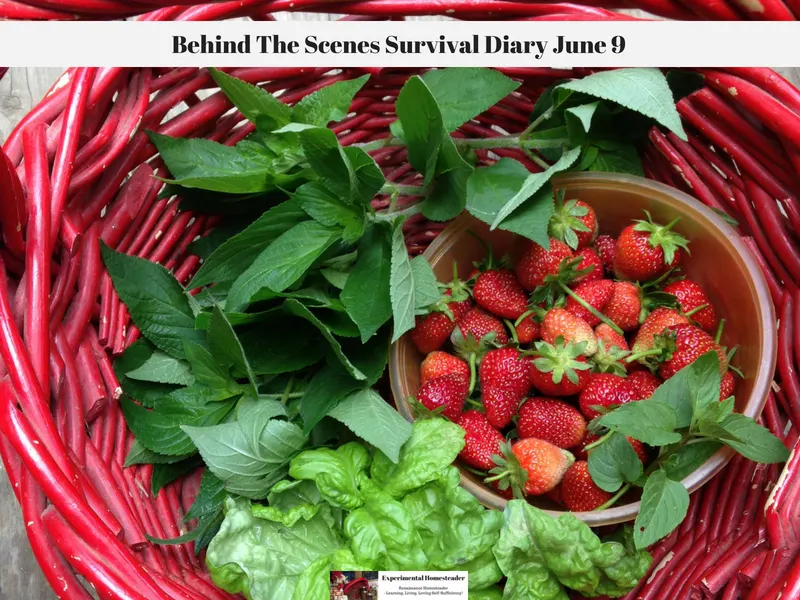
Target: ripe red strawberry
{"points": [[573, 222], [481, 442], [691, 297], [535, 263], [432, 331], [646, 250], [590, 262], [643, 384], [610, 338], [559, 369], [551, 420], [500, 404], [528, 331], [499, 292], [596, 293], [690, 343], [438, 364], [604, 245], [559, 322], [479, 323], [625, 305], [450, 391], [555, 495], [506, 368], [654, 325], [727, 386], [579, 492], [544, 463], [604, 389], [590, 438]]}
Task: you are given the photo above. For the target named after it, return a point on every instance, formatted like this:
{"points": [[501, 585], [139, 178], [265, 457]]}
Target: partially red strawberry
{"points": [[579, 492], [625, 305], [499, 292], [646, 250], [506, 368], [604, 245], [535, 263], [573, 222], [727, 386], [643, 384], [559, 322], [481, 442], [694, 301], [479, 323], [596, 293], [654, 325], [606, 390], [559, 369], [551, 420], [591, 263], [438, 364], [590, 438], [690, 343], [432, 331], [543, 463], [528, 330], [450, 392]]}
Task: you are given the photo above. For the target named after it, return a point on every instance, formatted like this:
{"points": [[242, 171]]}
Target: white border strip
{"points": [[377, 44]]}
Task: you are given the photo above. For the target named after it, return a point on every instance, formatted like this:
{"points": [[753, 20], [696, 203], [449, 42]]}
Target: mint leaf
{"points": [[449, 194], [226, 348], [210, 497], [366, 291], [147, 393], [648, 421], [644, 90], [329, 103], [663, 508], [249, 459], [164, 474], [206, 165], [426, 288], [163, 368], [401, 279], [624, 159], [371, 418], [139, 455], [533, 183], [327, 387], [688, 459], [283, 262], [327, 209], [465, 92], [251, 100], [579, 121], [753, 441], [156, 301], [206, 370], [234, 255], [703, 380], [613, 463], [369, 178], [423, 128], [291, 345], [489, 188]]}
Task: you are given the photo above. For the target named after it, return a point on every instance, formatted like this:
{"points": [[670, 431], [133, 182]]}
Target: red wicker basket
{"points": [[61, 322]]}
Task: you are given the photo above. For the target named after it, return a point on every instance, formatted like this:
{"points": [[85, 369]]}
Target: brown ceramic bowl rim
{"points": [[758, 288]]}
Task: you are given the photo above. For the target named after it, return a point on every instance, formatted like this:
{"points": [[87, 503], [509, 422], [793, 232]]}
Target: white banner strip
{"points": [[401, 44]]}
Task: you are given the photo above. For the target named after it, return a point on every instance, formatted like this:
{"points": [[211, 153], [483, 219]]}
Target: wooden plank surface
{"points": [[20, 577]]}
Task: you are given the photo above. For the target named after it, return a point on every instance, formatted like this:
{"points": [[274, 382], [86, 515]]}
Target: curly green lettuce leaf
{"points": [[433, 446], [264, 559], [623, 575], [314, 583], [337, 473], [488, 594], [290, 501], [483, 571], [455, 528], [383, 531], [541, 556]]}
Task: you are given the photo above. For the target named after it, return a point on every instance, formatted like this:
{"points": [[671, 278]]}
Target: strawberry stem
{"points": [[611, 501], [498, 477], [644, 353], [475, 403], [472, 374], [695, 310], [513, 330], [590, 308], [596, 443], [523, 316], [721, 326]]}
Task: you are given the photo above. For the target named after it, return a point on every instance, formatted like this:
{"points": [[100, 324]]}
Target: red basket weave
{"points": [[86, 168]]}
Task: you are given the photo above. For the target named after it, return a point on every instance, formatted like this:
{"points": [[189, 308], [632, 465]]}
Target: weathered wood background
{"points": [[20, 577]]}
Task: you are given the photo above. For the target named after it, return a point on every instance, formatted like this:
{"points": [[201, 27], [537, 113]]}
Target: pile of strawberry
{"points": [[524, 358]]}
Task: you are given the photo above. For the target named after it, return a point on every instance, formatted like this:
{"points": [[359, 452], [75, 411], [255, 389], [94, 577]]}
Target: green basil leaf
{"points": [[423, 127], [164, 474], [663, 508], [226, 348], [613, 463], [329, 385], [291, 345], [135, 356], [329, 103], [648, 421], [753, 441], [688, 459], [156, 301], [252, 101], [163, 368], [327, 209]]}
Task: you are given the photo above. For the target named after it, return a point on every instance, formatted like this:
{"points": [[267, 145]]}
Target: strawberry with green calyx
{"points": [[610, 337], [693, 302], [449, 392], [438, 364], [551, 420], [596, 294], [580, 493], [560, 323], [573, 222], [690, 343], [478, 324], [535, 263], [603, 392], [609, 358], [470, 349], [432, 330], [559, 369], [646, 250], [530, 467], [481, 440], [604, 246], [498, 292], [653, 326], [590, 265], [525, 331], [625, 306]]}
